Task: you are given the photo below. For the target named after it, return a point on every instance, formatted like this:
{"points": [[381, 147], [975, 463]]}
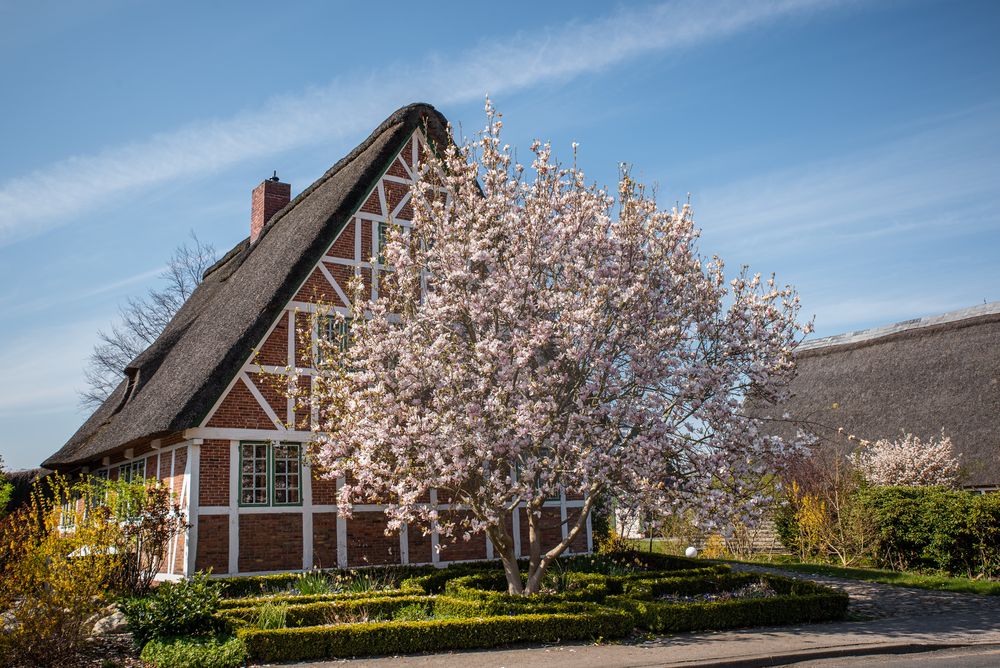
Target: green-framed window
{"points": [[383, 238], [337, 331], [253, 474], [270, 474], [134, 470]]}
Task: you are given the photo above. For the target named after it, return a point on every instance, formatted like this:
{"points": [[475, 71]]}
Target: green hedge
{"points": [[797, 602], [932, 528], [195, 653], [435, 635]]}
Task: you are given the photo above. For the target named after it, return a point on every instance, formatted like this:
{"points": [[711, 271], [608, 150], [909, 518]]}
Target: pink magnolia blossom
{"points": [[536, 337], [909, 462]]}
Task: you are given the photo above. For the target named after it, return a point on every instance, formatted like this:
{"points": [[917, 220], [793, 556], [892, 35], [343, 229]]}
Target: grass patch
{"points": [[918, 580]]}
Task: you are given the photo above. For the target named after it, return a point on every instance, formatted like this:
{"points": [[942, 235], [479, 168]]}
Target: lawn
{"points": [[902, 579], [961, 585]]}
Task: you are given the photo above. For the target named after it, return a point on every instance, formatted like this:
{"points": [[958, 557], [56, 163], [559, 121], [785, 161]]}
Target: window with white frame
{"points": [[270, 474], [287, 474], [134, 470]]}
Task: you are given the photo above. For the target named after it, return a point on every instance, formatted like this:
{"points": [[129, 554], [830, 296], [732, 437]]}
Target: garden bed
{"points": [[467, 606]]}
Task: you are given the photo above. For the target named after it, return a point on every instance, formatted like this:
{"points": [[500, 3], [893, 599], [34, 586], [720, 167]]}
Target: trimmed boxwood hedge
{"points": [[435, 635], [469, 607], [797, 602]]}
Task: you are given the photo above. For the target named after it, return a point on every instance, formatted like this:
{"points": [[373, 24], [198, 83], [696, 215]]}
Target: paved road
{"points": [[900, 619], [961, 657]]}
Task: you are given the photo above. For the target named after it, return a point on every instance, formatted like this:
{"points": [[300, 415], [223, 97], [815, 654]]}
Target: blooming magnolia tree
{"points": [[909, 462], [536, 337]]}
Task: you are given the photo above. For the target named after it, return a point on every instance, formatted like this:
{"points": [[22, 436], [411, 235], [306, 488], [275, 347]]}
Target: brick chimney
{"points": [[268, 198]]}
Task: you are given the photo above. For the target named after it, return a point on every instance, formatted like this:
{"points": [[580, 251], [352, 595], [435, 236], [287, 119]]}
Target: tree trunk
{"points": [[538, 562], [503, 544]]}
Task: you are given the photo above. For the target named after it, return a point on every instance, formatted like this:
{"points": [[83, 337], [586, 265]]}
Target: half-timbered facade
{"points": [[199, 410]]}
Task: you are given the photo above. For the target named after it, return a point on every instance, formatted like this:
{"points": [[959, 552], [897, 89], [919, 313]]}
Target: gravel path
{"points": [[872, 600]]}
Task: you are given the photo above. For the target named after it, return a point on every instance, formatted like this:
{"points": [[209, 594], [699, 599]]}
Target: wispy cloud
{"points": [[124, 282], [939, 179], [50, 196]]}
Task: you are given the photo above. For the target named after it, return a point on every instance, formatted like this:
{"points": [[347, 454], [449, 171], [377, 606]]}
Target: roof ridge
{"points": [[881, 331]]}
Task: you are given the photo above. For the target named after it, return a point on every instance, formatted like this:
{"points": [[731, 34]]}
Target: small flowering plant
{"points": [[537, 336], [909, 462]]}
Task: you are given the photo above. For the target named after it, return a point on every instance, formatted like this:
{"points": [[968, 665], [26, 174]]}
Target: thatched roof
{"points": [[919, 376], [175, 382]]}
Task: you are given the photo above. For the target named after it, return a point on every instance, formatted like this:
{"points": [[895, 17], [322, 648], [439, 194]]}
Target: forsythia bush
{"points": [[54, 579]]}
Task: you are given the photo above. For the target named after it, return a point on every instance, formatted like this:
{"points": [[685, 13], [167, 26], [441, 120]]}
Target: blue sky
{"points": [[852, 147]]}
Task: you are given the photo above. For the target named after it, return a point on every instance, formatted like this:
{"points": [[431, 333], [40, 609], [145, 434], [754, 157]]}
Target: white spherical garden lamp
{"points": [[691, 552]]}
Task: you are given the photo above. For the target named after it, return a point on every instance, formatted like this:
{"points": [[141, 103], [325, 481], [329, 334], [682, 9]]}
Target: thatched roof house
{"points": [[919, 376]]}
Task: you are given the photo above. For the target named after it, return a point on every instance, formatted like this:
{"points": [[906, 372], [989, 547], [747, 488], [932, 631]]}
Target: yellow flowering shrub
{"points": [[54, 566]]}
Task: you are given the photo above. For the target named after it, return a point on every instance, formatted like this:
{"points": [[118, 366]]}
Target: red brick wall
{"points": [[317, 289], [456, 548], [325, 540], [213, 485], [273, 390], [274, 351], [213, 543], [179, 554], [240, 410], [579, 543], [367, 544], [270, 542], [344, 245], [177, 481], [419, 545], [550, 526], [324, 490]]}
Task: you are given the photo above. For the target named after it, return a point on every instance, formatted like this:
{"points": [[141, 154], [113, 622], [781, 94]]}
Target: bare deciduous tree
{"points": [[142, 320]]}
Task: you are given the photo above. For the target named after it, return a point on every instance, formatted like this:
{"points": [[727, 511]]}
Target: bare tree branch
{"points": [[142, 319]]}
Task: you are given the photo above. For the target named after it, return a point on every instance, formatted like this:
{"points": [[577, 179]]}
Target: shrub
{"points": [[414, 612], [182, 608], [53, 579], [195, 652], [933, 528], [148, 519]]}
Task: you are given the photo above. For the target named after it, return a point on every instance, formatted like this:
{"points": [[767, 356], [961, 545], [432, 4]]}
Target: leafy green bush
{"points": [[182, 608], [937, 529], [195, 652]]}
